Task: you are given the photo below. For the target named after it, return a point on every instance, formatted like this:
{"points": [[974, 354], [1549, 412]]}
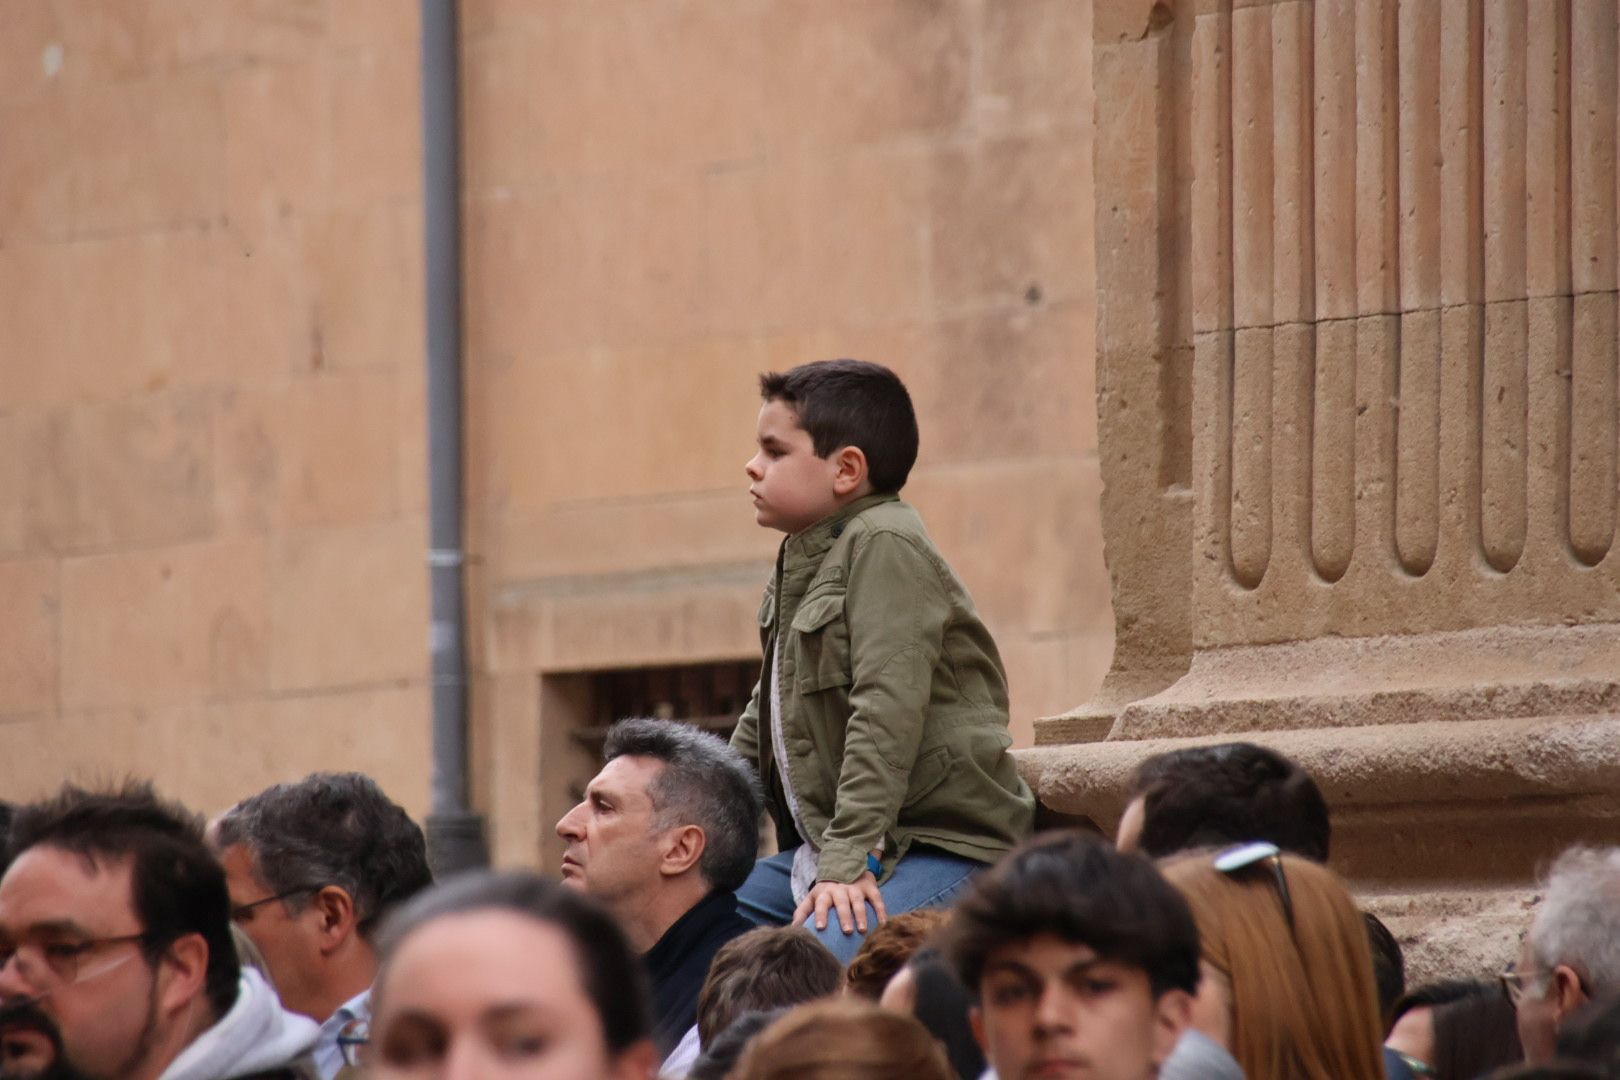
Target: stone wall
{"points": [[211, 429], [1387, 239], [211, 417]]}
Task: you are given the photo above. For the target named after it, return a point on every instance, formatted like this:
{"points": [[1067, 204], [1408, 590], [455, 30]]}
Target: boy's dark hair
{"points": [[767, 968], [720, 1056], [852, 403], [704, 782], [1389, 967], [177, 888], [1232, 793], [1077, 887], [6, 811], [608, 970], [331, 829]]}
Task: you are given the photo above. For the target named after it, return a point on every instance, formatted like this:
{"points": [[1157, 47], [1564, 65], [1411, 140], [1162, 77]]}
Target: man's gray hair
{"points": [[331, 829], [704, 782], [1579, 921]]}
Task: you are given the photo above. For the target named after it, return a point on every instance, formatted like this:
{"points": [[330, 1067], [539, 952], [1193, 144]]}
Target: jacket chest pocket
{"points": [[821, 643]]}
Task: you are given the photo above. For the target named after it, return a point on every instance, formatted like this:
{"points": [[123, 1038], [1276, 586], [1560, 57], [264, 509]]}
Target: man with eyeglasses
{"points": [[312, 868], [1572, 953], [116, 960]]}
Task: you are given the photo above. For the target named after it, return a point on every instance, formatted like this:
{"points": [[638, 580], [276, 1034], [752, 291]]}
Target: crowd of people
{"points": [[910, 924], [300, 935]]}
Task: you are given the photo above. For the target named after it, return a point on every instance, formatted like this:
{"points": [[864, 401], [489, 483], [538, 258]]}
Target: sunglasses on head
{"points": [[1245, 857]]}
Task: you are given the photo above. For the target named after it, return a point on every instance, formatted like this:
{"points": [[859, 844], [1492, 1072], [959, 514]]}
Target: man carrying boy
{"points": [[879, 725], [1084, 962]]}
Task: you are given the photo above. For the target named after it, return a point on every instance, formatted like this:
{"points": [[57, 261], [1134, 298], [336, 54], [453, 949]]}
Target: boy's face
{"points": [[792, 488], [1051, 1009]]}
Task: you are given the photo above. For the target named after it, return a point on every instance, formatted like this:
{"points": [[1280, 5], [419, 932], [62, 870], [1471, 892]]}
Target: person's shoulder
{"points": [[891, 518]]}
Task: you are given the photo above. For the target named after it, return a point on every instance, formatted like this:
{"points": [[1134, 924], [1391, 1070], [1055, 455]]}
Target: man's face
{"points": [[613, 851], [1052, 1009], [792, 488], [1536, 1011], [103, 1023], [285, 932]]}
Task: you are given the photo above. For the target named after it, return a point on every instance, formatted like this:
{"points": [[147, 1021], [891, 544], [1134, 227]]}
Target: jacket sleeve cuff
{"points": [[840, 862]]}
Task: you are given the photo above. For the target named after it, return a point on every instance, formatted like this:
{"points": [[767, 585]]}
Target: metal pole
{"points": [[455, 834]]}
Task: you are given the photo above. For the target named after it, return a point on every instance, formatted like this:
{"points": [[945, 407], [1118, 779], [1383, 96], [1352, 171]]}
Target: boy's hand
{"points": [[850, 900]]}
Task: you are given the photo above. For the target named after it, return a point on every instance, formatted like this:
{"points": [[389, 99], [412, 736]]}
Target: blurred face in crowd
{"points": [[1542, 999], [492, 994], [99, 1008], [613, 852], [1052, 1009], [286, 932]]}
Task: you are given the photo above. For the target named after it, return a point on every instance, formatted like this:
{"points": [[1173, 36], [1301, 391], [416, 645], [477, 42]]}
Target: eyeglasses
{"points": [[239, 912], [1236, 860], [61, 963], [1518, 985], [354, 1042]]}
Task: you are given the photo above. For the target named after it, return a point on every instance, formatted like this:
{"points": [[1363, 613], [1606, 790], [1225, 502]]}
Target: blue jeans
{"points": [[926, 877]]}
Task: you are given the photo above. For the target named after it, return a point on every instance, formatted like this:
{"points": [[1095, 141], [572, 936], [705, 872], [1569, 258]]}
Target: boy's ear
{"points": [[1173, 1011], [849, 470]]}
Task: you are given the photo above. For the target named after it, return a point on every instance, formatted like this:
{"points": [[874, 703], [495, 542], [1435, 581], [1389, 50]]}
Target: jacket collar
{"points": [[814, 542]]}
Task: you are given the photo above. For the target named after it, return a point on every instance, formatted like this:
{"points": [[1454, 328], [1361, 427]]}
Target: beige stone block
{"points": [[37, 483], [1377, 163], [1253, 175], [993, 522], [1128, 21], [68, 43], [173, 308], [771, 266], [356, 23], [549, 270], [865, 71], [29, 659], [593, 88], [1037, 63], [1594, 100], [1505, 146], [581, 539], [1418, 48], [384, 732], [1462, 257], [1009, 384], [628, 421], [410, 439], [365, 268], [1294, 199], [339, 456], [507, 750], [98, 158], [1037, 680], [278, 148], [1008, 222], [200, 33], [1210, 195], [1335, 159], [376, 110], [248, 442], [350, 605], [617, 622], [142, 471], [165, 625]]}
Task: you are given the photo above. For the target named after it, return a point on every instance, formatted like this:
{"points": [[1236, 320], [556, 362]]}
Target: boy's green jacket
{"points": [[894, 701]]}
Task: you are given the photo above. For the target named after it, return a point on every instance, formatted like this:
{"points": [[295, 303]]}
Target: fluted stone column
{"points": [[1386, 232]]}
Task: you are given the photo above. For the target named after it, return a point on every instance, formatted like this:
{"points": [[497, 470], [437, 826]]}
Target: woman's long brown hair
{"points": [[1304, 1003]]}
